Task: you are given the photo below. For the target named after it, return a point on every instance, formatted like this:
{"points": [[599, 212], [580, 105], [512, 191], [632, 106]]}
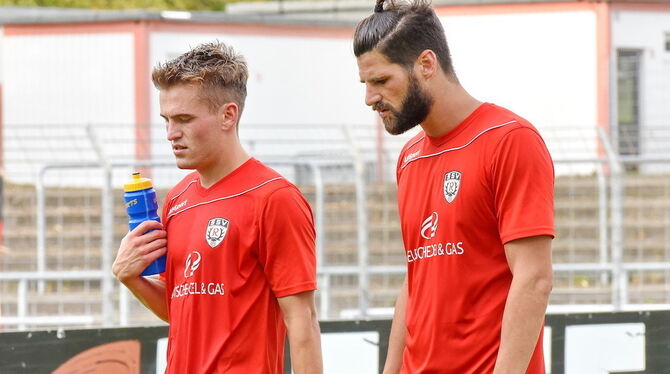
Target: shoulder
{"points": [[284, 201], [282, 194], [501, 122], [518, 146], [500, 128], [265, 180], [267, 188]]}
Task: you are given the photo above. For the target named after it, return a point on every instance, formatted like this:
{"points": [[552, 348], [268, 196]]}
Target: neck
{"points": [[232, 158], [451, 106]]}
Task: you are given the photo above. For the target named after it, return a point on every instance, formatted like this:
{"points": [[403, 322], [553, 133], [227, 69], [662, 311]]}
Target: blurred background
{"points": [[78, 114]]}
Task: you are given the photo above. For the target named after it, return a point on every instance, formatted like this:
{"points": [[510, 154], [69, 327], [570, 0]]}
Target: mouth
{"points": [[178, 149], [382, 109], [383, 113]]}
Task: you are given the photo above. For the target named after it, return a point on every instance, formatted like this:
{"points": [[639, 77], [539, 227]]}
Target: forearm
{"points": [[305, 342], [304, 334], [151, 293], [397, 335], [522, 320]]}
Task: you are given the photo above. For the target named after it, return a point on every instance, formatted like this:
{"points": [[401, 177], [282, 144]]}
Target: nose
{"points": [[372, 96], [173, 132]]}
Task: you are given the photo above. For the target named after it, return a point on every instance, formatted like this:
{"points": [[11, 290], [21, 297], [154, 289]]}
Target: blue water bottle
{"points": [[142, 205]]}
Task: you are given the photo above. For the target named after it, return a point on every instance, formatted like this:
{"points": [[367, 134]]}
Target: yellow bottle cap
{"points": [[137, 183]]}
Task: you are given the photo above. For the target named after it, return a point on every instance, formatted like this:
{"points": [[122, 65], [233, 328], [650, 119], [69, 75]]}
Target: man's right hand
{"points": [[138, 249]]}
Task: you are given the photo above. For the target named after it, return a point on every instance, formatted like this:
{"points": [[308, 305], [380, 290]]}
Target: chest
{"points": [[454, 186], [450, 179], [217, 233]]}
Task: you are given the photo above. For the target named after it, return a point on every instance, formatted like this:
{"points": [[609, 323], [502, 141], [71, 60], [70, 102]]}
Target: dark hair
{"points": [[401, 31], [219, 70]]}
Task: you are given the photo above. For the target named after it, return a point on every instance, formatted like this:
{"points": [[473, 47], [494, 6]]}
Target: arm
{"points": [[398, 333], [303, 332], [136, 252], [529, 260]]}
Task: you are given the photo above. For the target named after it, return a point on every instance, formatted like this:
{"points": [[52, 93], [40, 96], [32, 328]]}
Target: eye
{"points": [[380, 81]]}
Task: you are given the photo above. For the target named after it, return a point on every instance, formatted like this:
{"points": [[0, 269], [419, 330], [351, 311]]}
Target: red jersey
{"points": [[461, 197], [233, 249]]}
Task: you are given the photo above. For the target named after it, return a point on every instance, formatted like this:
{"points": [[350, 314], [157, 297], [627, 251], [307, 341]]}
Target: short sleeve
{"points": [[523, 182], [287, 243]]}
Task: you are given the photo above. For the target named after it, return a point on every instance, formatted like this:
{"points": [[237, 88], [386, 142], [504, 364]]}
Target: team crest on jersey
{"points": [[452, 183], [216, 231]]}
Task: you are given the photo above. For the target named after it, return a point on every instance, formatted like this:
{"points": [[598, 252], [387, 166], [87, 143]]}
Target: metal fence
{"points": [[64, 217]]}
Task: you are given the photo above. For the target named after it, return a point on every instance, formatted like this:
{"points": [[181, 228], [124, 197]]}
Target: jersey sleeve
{"points": [[287, 243], [523, 185]]}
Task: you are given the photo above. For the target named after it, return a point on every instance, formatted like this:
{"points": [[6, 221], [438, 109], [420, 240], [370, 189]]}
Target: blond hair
{"points": [[220, 72]]}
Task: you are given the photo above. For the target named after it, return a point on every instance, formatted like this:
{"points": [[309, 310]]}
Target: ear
{"points": [[229, 114], [427, 64]]}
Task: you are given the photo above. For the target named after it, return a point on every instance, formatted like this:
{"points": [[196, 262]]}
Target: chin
{"points": [[392, 128], [184, 165]]}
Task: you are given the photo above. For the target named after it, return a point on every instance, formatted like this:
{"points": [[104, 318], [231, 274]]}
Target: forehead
{"points": [[374, 64], [180, 98]]}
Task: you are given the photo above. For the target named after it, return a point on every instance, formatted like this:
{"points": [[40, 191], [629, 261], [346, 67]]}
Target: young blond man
{"points": [[239, 238]]}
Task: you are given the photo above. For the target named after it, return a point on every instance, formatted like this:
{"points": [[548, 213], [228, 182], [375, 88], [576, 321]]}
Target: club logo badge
{"points": [[429, 226], [216, 231], [192, 263], [452, 182]]}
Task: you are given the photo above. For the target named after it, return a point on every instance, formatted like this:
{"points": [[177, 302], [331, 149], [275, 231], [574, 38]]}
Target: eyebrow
{"points": [[176, 115], [375, 79]]}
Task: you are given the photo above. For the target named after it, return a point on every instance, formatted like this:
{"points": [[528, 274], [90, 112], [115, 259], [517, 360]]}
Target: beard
{"points": [[414, 109]]}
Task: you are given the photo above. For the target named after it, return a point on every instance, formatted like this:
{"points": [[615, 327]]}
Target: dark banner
{"points": [[117, 350], [598, 343]]}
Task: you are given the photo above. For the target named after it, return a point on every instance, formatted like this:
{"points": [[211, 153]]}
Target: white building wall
{"points": [[54, 81], [70, 79], [535, 65], [645, 31]]}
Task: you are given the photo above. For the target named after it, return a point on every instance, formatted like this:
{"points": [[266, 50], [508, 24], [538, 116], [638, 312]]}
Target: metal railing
{"points": [[22, 319], [604, 167], [107, 166]]}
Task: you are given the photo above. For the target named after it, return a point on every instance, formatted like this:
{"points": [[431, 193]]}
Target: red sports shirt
{"points": [[461, 197], [233, 249]]}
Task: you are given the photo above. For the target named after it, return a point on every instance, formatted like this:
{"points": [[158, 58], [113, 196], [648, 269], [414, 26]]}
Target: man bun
{"points": [[379, 6]]}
